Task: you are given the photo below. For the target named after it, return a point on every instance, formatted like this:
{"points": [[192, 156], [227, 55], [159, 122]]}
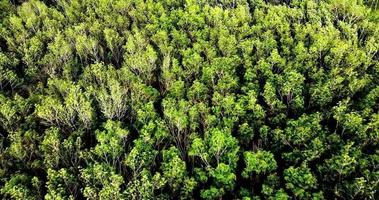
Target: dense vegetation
{"points": [[189, 99]]}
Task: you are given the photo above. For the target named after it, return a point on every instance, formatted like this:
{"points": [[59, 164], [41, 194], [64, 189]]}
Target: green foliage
{"points": [[259, 162], [21, 186], [300, 181], [61, 184], [12, 111], [271, 188], [72, 111], [141, 156], [111, 142], [144, 186], [51, 148], [223, 176], [174, 175], [101, 182], [189, 99], [218, 146]]}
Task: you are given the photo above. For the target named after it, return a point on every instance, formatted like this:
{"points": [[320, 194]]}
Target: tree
{"points": [[140, 57], [300, 181], [52, 148], [110, 143], [177, 120], [174, 171], [218, 154], [110, 88], [259, 162], [61, 184], [141, 156], [101, 182], [189, 99], [8, 77], [74, 109], [17, 187]]}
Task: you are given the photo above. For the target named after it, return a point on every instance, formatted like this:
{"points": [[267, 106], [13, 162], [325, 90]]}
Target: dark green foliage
{"points": [[189, 99]]}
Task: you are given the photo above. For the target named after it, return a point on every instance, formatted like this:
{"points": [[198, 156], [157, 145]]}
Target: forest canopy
{"points": [[189, 99]]}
